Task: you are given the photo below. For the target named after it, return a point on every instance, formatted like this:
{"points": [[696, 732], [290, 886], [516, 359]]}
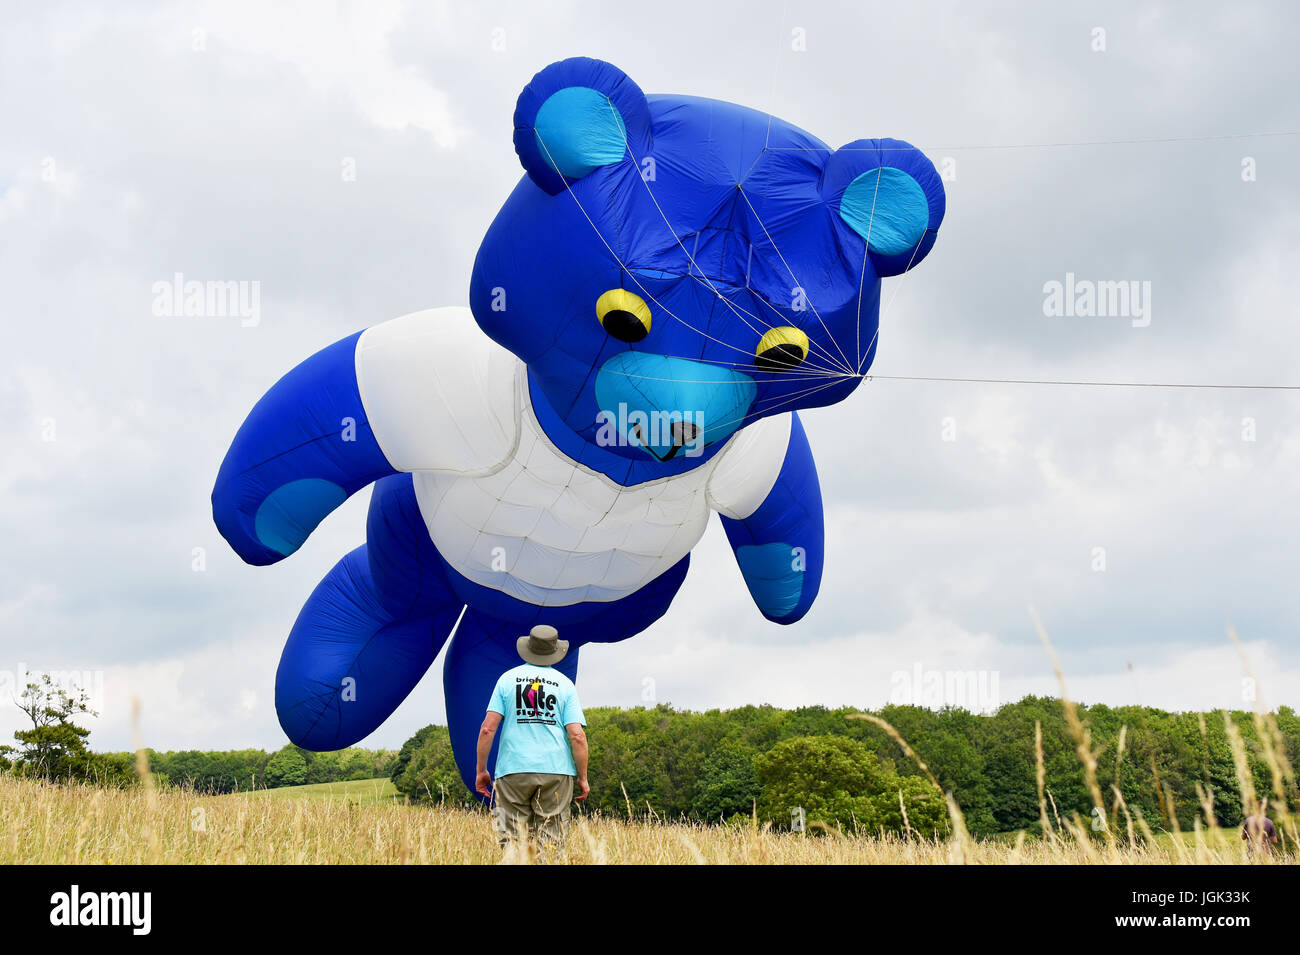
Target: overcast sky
{"points": [[212, 140]]}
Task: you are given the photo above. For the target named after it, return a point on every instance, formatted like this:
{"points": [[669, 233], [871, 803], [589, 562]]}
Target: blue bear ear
{"points": [[889, 193], [576, 116]]}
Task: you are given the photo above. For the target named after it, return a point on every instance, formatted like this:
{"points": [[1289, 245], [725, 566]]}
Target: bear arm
{"points": [[304, 448], [778, 542]]}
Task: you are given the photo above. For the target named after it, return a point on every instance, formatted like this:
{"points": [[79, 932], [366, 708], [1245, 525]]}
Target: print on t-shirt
{"points": [[533, 704]]}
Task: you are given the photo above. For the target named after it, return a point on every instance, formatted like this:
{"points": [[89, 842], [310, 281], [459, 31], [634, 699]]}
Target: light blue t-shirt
{"points": [[536, 704]]}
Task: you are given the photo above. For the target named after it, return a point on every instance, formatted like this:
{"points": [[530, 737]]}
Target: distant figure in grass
{"points": [[543, 748], [1259, 830]]}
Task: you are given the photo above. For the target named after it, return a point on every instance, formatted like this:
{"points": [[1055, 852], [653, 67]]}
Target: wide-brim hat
{"points": [[542, 646]]}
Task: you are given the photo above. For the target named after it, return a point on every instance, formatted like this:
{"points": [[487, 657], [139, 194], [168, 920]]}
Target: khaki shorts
{"points": [[534, 806]]}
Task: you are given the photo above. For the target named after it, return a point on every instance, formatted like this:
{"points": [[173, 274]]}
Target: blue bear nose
{"points": [[668, 406]]}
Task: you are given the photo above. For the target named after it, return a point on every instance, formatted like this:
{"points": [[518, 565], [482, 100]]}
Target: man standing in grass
{"points": [[543, 747], [1259, 831]]}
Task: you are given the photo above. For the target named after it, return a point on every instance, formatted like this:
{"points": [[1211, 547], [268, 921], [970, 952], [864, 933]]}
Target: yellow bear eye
{"points": [[624, 315], [781, 349]]}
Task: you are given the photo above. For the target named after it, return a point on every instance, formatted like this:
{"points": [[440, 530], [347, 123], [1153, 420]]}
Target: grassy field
{"points": [[361, 822], [367, 792]]}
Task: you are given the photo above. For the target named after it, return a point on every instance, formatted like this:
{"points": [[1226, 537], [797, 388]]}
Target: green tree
{"points": [[323, 767], [727, 785], [927, 811], [425, 770], [287, 767], [54, 747], [834, 780]]}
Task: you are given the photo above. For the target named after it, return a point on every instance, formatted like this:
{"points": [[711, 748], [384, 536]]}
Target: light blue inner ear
{"points": [[886, 207], [578, 130]]}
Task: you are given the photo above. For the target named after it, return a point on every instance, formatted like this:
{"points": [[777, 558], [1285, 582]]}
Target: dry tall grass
{"points": [[53, 824]]}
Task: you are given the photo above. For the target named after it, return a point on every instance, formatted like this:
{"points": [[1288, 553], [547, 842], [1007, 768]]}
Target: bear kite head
{"points": [[678, 255]]}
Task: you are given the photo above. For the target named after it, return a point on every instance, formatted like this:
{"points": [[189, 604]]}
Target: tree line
{"points": [[55, 748], [724, 766], [215, 772]]}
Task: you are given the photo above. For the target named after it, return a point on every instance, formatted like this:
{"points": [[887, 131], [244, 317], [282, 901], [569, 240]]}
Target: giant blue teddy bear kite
{"points": [[670, 282]]}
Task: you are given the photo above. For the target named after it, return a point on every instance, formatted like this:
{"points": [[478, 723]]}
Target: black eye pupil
{"points": [[624, 326], [779, 358]]}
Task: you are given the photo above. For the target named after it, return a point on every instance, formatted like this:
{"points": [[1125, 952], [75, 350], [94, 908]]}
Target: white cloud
{"points": [[342, 49]]}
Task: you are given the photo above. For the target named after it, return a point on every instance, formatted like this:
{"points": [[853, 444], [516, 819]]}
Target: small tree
{"points": [[840, 781], [54, 747], [287, 767], [425, 770], [927, 812], [833, 778]]}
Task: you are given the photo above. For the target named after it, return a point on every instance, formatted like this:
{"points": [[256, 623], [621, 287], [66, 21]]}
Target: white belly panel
{"points": [[552, 532]]}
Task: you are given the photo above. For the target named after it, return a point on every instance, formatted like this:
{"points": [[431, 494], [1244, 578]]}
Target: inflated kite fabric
{"points": [[671, 282]]}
